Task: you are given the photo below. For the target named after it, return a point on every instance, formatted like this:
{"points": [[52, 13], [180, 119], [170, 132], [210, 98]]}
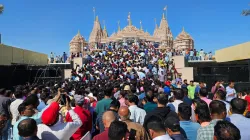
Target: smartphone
{"points": [[132, 134]]}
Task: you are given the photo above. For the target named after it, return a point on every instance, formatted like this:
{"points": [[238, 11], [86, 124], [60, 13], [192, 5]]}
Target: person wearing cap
{"points": [[84, 115], [53, 127], [172, 126], [127, 88], [166, 88], [93, 100]]}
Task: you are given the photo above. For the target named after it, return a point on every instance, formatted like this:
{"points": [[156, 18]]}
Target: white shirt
{"points": [[229, 91], [163, 137], [59, 131], [137, 114], [13, 109], [174, 105]]}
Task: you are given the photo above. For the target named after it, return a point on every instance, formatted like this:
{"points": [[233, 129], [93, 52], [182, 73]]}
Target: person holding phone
{"points": [[52, 122]]}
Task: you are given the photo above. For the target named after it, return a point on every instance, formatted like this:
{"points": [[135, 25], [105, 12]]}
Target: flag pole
{"points": [[166, 11], [94, 12]]}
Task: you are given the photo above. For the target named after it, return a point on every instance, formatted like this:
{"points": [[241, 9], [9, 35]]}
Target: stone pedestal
{"points": [[187, 73], [179, 61], [67, 73], [78, 61], [181, 67]]}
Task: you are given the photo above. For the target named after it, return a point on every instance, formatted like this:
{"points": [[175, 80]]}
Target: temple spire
{"points": [[104, 25], [163, 16], [164, 10], [78, 32], [183, 29], [129, 19], [156, 26], [119, 28], [141, 25], [96, 18]]}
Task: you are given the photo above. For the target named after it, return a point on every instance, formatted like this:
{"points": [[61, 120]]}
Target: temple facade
{"points": [[183, 41], [131, 34], [164, 33], [77, 44]]}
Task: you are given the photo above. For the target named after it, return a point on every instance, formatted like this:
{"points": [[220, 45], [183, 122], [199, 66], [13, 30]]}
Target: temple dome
{"points": [[128, 31], [78, 38], [77, 43], [96, 33], [183, 35]]}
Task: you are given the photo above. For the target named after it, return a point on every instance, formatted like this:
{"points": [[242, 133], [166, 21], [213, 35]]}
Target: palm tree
{"points": [[246, 12], [1, 8]]}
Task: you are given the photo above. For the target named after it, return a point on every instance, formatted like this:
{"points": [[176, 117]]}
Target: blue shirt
{"points": [[166, 59], [41, 105], [166, 90], [189, 129], [141, 96], [149, 106], [187, 100], [150, 66], [36, 117], [191, 53], [197, 89], [242, 123]]}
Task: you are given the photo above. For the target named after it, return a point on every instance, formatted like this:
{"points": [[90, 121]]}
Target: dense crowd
{"points": [[189, 54], [126, 94]]}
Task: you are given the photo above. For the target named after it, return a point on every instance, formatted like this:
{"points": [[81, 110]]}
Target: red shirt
{"points": [[247, 98], [86, 119], [103, 135], [94, 104]]}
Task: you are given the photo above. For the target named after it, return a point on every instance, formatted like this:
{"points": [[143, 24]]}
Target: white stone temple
{"points": [[130, 33]]}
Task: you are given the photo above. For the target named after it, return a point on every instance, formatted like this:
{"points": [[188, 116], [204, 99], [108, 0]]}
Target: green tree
{"points": [[246, 12], [1, 8]]}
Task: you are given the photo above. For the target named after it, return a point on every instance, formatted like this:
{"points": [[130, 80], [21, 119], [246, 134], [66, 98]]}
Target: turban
{"points": [[49, 116]]}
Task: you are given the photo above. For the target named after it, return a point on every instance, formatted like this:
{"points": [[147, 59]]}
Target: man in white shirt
{"points": [[14, 105], [53, 127], [202, 55], [178, 97], [156, 129], [137, 114], [231, 92]]}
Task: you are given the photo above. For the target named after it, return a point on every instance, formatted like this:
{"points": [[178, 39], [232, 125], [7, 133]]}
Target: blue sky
{"points": [[49, 25]]}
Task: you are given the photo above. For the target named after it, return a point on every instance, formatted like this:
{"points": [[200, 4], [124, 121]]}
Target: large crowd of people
{"points": [[124, 94], [189, 54]]}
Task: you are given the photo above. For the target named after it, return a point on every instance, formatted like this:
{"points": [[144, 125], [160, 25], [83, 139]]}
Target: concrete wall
{"points": [[237, 52], [67, 73], [187, 73], [179, 61], [78, 61], [10, 55]]}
